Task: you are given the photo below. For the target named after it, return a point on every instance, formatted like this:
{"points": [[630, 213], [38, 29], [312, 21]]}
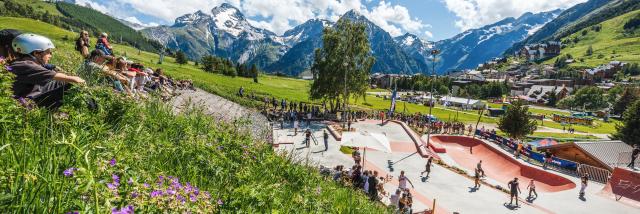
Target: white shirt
{"points": [[403, 181]]}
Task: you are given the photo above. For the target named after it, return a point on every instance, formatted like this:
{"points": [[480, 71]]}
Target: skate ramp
{"points": [[499, 166], [624, 186]]}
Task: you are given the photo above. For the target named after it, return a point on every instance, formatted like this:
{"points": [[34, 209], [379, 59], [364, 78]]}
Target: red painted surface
{"points": [[417, 140], [499, 166], [624, 183]]}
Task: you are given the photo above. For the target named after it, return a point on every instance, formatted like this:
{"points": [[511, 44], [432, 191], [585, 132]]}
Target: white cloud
{"points": [[477, 13], [428, 34], [274, 15], [135, 20]]}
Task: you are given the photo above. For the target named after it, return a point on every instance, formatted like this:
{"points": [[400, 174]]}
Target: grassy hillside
{"points": [[76, 18], [610, 43], [127, 153]]}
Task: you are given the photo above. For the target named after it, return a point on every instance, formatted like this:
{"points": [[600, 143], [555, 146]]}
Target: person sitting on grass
{"points": [[7, 54], [103, 44], [35, 77], [95, 71]]}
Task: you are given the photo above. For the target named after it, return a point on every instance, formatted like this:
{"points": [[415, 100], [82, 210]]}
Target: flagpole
{"points": [[434, 53]]}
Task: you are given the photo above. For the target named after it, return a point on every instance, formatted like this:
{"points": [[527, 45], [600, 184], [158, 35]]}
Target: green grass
{"points": [[609, 42], [147, 141], [42, 6], [562, 135]]}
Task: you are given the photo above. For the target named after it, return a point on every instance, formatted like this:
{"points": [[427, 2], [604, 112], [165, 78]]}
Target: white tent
{"points": [[366, 140]]}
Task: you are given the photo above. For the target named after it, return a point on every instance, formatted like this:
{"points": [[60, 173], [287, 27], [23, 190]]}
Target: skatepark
{"points": [[450, 184]]}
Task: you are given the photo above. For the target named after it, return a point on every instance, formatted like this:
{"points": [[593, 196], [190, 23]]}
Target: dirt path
{"points": [[247, 120]]}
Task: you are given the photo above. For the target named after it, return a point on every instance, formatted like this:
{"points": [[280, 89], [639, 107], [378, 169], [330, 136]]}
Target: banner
{"points": [[393, 102], [625, 183], [566, 164]]}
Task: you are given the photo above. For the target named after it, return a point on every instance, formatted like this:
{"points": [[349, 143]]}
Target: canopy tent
{"points": [[366, 140], [543, 142]]}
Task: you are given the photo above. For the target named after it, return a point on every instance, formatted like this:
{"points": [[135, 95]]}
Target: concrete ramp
{"points": [[624, 185], [467, 152]]}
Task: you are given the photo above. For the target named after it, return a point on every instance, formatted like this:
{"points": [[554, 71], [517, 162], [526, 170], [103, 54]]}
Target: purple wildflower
{"points": [[193, 198], [8, 68], [207, 195], [73, 212], [196, 191], [134, 194], [124, 210], [112, 162], [69, 172], [116, 179], [146, 185], [171, 191], [130, 181], [181, 199], [220, 203], [156, 193], [111, 186]]}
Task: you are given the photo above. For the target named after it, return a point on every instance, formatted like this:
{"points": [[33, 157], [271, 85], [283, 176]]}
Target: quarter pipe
{"points": [[467, 152]]}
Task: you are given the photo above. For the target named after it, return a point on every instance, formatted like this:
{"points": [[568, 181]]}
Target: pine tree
{"points": [[629, 131], [517, 122], [254, 73], [628, 97], [589, 51], [181, 58], [208, 63]]}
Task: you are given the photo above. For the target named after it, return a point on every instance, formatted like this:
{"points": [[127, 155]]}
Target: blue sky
{"points": [[429, 19]]}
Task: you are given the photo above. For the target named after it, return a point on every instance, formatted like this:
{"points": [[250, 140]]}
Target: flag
{"points": [[393, 102]]}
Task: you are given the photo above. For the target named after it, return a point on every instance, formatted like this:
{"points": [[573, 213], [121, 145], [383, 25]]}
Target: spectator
{"points": [[394, 200], [103, 44], [33, 80], [548, 157], [94, 71], [373, 182], [325, 137], [6, 51], [82, 44]]}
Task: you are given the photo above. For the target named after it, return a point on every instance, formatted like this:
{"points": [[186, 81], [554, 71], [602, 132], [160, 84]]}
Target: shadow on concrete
{"points": [[473, 189], [511, 206]]}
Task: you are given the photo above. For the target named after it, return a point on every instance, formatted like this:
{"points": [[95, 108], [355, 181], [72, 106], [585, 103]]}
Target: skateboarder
{"points": [[325, 136], [634, 156], [402, 179], [476, 178], [427, 168], [479, 167], [583, 184], [532, 188], [514, 188]]}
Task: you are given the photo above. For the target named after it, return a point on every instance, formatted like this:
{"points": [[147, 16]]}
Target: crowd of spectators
{"points": [[38, 81]]}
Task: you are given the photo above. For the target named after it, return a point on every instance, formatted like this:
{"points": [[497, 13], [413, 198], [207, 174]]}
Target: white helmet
{"points": [[104, 35], [28, 43]]}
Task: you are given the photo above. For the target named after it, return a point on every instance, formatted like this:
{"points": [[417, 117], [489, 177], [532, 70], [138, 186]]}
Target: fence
{"points": [[595, 173], [624, 158]]}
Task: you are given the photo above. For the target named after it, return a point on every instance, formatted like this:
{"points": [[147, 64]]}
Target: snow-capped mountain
{"points": [[309, 29], [472, 47], [225, 33], [414, 46]]}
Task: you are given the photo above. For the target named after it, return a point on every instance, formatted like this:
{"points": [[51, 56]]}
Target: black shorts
{"points": [[514, 194]]}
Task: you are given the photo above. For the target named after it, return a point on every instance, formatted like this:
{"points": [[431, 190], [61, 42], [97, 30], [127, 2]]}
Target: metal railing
{"points": [[595, 173]]}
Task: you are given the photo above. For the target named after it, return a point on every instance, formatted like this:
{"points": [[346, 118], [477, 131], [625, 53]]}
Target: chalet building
{"points": [[540, 51], [540, 94], [603, 154], [606, 71]]}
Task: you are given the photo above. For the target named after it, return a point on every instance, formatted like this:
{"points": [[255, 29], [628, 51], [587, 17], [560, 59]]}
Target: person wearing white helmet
{"points": [[103, 44], [35, 77]]}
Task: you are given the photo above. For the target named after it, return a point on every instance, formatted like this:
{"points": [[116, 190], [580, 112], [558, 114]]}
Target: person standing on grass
{"points": [[532, 188], [479, 168], [514, 188], [394, 199], [373, 183], [583, 184], [402, 179], [427, 168], [634, 155], [325, 137]]}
